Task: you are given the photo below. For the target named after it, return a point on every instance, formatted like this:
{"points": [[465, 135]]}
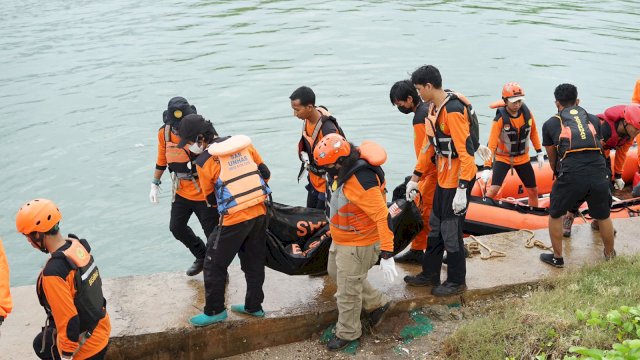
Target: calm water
{"points": [[84, 83]]}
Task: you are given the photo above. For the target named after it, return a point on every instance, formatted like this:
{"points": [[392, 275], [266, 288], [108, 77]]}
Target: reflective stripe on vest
{"points": [[515, 140], [442, 143], [345, 215], [239, 185], [89, 300], [577, 134]]}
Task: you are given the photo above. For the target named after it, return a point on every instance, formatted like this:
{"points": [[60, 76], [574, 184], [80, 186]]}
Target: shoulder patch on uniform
{"points": [[202, 158], [367, 178], [421, 113], [57, 266], [455, 105]]}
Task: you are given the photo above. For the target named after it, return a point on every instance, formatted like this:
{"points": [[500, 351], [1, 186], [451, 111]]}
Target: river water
{"points": [[84, 84]]}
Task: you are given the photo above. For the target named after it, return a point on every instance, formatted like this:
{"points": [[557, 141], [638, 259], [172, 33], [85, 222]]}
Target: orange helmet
{"points": [[331, 148], [511, 89], [38, 215], [632, 115]]}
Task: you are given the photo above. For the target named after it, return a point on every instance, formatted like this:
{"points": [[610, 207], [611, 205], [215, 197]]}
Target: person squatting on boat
{"points": [[231, 173], [187, 196], [360, 227]]}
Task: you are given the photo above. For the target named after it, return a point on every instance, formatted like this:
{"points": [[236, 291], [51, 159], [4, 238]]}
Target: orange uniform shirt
{"points": [[208, 174], [318, 182], [58, 283], [495, 143], [374, 204], [6, 304], [452, 121], [186, 188]]}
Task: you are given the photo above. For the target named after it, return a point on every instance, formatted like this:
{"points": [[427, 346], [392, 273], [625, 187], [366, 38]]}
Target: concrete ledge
{"points": [[150, 313]]}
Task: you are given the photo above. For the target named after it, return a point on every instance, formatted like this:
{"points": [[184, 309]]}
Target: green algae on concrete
{"points": [[423, 326]]}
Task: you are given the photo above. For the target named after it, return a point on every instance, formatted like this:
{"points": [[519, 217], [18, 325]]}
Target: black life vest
{"points": [[443, 143], [577, 133], [89, 300], [514, 139]]}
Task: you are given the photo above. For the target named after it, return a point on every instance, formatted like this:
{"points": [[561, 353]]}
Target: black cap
{"points": [[190, 127], [177, 109]]}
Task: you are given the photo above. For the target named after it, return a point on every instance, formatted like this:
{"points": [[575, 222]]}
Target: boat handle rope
{"points": [[474, 248]]}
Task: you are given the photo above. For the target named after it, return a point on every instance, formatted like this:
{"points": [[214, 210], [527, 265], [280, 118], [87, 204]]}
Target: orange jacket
{"points": [[208, 167], [370, 205], [58, 282], [318, 182], [620, 158], [6, 304], [452, 120], [495, 143], [186, 188]]}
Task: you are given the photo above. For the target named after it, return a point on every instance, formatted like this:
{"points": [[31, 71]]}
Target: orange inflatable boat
{"points": [[488, 216], [513, 187]]}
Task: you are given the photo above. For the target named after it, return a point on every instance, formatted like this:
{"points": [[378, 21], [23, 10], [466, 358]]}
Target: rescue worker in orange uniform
{"points": [[451, 155], [6, 304], [232, 173], [317, 123], [359, 224], [513, 128], [405, 97], [69, 288], [187, 197]]}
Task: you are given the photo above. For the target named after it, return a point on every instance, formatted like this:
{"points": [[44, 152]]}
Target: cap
{"points": [[190, 127], [177, 109], [515, 98]]}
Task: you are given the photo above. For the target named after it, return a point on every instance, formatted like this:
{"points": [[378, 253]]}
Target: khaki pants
{"points": [[349, 265]]}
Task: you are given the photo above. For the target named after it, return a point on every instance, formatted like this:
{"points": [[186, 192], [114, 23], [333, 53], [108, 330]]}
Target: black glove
{"points": [[386, 254]]}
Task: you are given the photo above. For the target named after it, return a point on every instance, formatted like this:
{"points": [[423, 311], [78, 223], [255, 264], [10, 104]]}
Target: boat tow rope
{"points": [[531, 242], [474, 248]]}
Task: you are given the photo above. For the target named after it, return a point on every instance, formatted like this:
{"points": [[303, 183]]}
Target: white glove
{"points": [[485, 175], [484, 153], [388, 267], [618, 184], [304, 157], [540, 160], [153, 194], [67, 357], [412, 190], [459, 201]]}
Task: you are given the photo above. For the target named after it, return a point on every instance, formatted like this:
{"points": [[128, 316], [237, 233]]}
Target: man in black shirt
{"points": [[573, 143]]}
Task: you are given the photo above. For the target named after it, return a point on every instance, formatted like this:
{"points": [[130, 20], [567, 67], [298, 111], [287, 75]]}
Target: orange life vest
{"points": [[239, 185], [577, 134], [178, 159], [342, 213]]}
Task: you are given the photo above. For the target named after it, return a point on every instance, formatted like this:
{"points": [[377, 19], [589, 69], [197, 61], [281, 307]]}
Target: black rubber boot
{"points": [[410, 257], [196, 267]]}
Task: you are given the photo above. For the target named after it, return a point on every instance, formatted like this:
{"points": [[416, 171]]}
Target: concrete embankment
{"points": [[150, 313]]}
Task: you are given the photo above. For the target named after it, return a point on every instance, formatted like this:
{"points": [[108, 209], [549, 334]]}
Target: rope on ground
{"points": [[474, 248], [531, 242]]}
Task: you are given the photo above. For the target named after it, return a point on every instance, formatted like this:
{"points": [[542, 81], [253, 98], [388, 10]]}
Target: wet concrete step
{"points": [[150, 313]]}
